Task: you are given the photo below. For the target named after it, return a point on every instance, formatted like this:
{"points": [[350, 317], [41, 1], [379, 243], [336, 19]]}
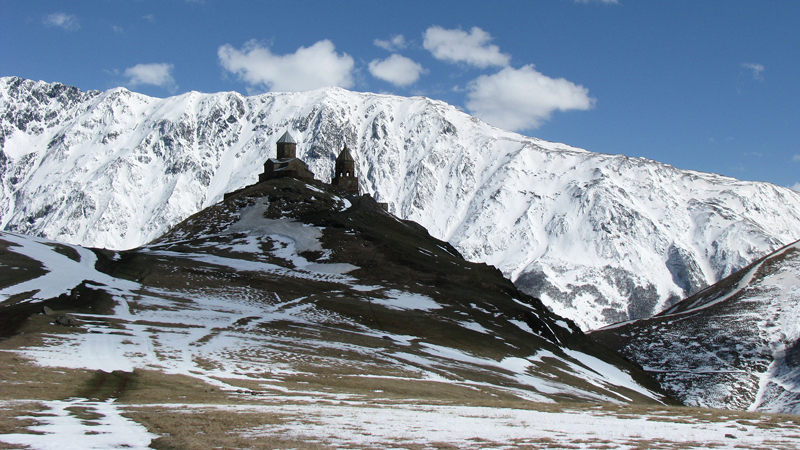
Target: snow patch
{"points": [[61, 429], [401, 300], [62, 273]]}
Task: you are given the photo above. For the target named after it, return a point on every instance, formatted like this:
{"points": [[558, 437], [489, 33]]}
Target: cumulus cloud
{"points": [[396, 69], [66, 21], [308, 68], [153, 74], [396, 43], [758, 70], [456, 46], [519, 99]]}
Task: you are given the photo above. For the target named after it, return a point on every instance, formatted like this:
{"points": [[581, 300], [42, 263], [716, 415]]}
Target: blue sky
{"points": [[704, 85]]}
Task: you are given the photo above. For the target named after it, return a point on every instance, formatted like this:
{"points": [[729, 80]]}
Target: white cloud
{"points": [[456, 46], [66, 21], [154, 74], [796, 158], [396, 69], [757, 69], [519, 99], [396, 43], [308, 68]]}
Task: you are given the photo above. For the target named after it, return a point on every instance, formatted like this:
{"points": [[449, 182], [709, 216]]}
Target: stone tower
{"points": [[344, 174], [287, 147]]}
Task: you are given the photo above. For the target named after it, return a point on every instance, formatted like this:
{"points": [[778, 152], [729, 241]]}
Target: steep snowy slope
{"points": [[734, 345], [600, 238]]}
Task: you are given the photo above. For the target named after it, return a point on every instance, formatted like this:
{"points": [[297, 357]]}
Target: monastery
{"points": [[287, 164]]}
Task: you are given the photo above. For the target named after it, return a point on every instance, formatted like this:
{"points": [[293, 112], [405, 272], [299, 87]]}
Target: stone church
{"points": [[287, 164]]}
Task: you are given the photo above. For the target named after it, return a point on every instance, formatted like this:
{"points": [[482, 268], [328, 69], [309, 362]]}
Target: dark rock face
{"points": [[641, 300], [685, 271]]}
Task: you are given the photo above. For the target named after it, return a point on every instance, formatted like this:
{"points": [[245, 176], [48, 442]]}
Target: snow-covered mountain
{"points": [[599, 238], [734, 345]]}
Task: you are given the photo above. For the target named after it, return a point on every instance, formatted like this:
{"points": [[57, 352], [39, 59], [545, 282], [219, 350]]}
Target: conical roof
{"points": [[286, 139], [345, 156]]}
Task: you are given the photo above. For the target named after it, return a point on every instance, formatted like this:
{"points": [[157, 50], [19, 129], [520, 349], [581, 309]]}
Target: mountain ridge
{"points": [[734, 345], [599, 238]]}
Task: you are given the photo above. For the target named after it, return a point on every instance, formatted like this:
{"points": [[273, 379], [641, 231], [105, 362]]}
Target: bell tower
{"points": [[287, 147], [344, 173]]}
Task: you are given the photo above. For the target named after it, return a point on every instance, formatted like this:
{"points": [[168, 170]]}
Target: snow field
{"points": [[400, 425], [83, 424]]}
